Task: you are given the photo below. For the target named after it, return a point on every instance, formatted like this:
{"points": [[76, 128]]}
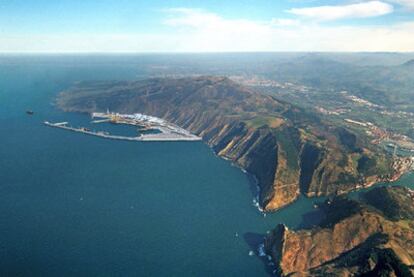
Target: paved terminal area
{"points": [[168, 131]]}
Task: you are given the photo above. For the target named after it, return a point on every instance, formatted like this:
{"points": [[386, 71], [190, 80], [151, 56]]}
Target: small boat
{"points": [[29, 112]]}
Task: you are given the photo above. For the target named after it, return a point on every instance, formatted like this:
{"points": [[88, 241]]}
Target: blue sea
{"points": [[76, 205]]}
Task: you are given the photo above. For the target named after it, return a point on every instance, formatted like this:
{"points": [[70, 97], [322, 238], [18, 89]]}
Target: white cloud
{"points": [[209, 32], [285, 22], [189, 17], [198, 31], [409, 4], [358, 10]]}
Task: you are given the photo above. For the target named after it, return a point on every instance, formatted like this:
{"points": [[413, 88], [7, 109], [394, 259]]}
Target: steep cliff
{"points": [[289, 150], [354, 238]]}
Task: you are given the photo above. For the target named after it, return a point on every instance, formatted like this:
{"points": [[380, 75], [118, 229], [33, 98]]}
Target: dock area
{"points": [[167, 131]]}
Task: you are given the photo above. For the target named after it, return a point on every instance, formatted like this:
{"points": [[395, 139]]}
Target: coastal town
{"points": [[260, 82]]}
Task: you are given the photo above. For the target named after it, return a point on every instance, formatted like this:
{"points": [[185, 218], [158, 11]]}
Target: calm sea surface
{"points": [[72, 204]]}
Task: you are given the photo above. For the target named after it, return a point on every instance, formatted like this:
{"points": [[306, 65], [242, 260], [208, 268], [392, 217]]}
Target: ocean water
{"points": [[76, 205]]}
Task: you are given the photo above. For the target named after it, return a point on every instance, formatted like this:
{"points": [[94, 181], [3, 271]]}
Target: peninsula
{"points": [[290, 150]]}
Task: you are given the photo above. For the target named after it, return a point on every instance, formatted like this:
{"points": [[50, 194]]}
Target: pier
{"points": [[172, 133]]}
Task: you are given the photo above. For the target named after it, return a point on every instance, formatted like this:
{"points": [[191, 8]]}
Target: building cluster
{"points": [[338, 111], [360, 101], [255, 81], [399, 114], [143, 118]]}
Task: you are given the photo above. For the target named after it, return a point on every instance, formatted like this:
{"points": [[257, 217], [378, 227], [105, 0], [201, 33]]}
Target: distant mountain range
{"points": [[409, 63], [389, 86]]}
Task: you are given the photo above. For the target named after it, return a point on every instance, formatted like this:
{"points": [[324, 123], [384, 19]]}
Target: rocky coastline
{"points": [[373, 236], [288, 150]]}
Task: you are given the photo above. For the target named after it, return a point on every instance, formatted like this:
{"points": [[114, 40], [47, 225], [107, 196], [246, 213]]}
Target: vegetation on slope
{"points": [[268, 137], [375, 238]]}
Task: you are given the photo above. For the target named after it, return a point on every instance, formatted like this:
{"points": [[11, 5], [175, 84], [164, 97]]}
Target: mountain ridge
{"points": [[289, 150], [409, 63], [355, 238]]}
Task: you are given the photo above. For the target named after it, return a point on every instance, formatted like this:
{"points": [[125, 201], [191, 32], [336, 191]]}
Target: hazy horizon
{"points": [[205, 52], [181, 26]]}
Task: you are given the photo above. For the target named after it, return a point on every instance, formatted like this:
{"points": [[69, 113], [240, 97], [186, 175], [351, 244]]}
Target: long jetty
{"points": [[148, 137]]}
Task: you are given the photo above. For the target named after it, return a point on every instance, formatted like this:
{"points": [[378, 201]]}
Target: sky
{"points": [[120, 26]]}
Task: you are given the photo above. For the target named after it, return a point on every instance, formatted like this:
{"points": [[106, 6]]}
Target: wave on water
{"points": [[261, 250], [255, 181]]}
